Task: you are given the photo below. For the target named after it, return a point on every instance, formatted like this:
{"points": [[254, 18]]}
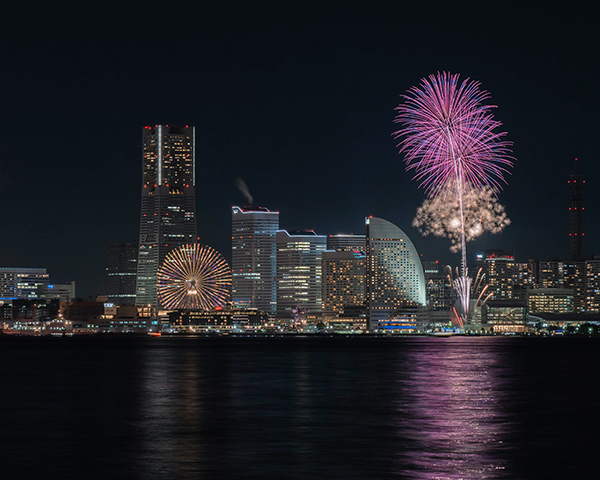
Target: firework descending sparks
{"points": [[449, 138], [193, 277], [481, 212]]}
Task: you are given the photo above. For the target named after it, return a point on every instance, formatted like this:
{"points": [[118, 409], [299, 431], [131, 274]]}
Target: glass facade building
{"points": [[168, 213], [254, 257], [299, 271], [120, 272]]}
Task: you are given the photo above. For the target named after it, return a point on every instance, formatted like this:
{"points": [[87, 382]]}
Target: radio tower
{"points": [[575, 209]]}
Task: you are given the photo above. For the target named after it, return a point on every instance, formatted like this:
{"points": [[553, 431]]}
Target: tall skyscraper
{"points": [[254, 257], [299, 271], [576, 182], [395, 279], [168, 216], [120, 272]]}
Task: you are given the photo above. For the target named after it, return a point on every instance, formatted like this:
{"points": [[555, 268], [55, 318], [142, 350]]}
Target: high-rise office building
{"points": [[343, 280], [438, 286], [346, 243], [23, 283], [299, 271], [254, 257], [120, 272], [395, 280], [168, 214]]}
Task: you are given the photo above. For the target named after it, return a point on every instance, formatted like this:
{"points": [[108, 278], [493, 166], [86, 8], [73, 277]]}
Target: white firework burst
{"points": [[440, 216]]}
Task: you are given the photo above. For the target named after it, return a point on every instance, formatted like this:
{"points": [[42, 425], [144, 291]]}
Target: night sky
{"points": [[296, 99]]}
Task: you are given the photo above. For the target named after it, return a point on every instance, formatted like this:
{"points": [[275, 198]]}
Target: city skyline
{"points": [[301, 108]]}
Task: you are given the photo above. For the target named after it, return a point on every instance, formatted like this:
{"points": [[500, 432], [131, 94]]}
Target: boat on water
{"points": [[443, 333], [155, 334]]}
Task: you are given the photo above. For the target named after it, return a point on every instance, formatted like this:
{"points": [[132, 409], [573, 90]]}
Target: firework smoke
{"points": [[241, 185], [482, 213]]}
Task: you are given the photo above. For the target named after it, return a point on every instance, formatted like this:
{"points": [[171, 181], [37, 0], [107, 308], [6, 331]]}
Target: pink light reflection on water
{"points": [[451, 412]]}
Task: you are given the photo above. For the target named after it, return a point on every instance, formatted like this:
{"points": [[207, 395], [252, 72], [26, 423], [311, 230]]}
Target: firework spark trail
{"points": [[193, 276], [448, 137]]}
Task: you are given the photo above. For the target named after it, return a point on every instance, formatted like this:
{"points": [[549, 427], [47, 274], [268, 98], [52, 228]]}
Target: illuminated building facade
{"points": [[438, 287], [343, 280], [550, 300], [299, 271], [120, 272], [240, 319], [168, 214], [507, 279], [254, 257], [506, 316], [23, 283], [571, 275], [395, 283], [592, 284], [346, 243]]}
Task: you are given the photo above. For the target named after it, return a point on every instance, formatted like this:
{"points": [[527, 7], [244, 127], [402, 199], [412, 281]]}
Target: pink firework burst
{"points": [[449, 137]]}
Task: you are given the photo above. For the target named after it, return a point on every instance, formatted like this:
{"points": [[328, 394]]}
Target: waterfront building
{"points": [[592, 284], [38, 309], [343, 281], [120, 272], [64, 292], [438, 286], [221, 319], [571, 275], [505, 316], [395, 283], [23, 283], [506, 279], [168, 211], [346, 243], [550, 300], [254, 257], [299, 272]]}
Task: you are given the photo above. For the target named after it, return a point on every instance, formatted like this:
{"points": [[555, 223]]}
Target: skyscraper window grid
{"points": [[253, 253], [168, 211]]}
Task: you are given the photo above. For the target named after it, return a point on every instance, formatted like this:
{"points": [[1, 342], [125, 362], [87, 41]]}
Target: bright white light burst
{"points": [[440, 216]]}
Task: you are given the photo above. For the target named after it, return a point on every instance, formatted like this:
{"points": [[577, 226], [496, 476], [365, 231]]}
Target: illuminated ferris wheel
{"points": [[193, 277]]}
